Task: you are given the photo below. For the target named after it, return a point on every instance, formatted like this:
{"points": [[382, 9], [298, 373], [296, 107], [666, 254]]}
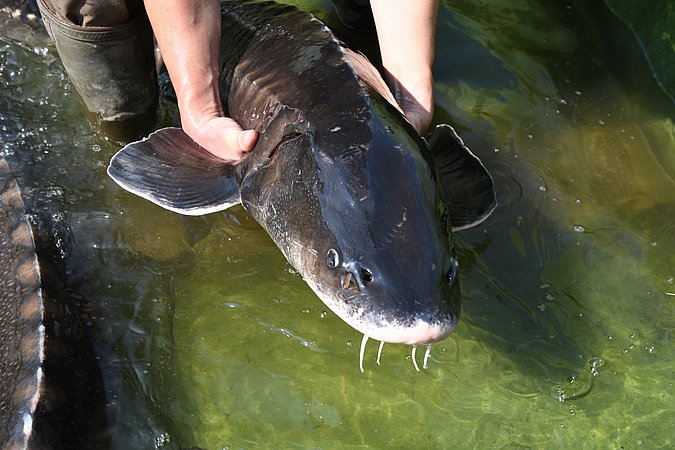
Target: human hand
{"points": [[222, 136], [415, 98]]}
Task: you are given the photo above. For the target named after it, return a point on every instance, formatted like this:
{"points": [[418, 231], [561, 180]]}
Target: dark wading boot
{"points": [[112, 70]]}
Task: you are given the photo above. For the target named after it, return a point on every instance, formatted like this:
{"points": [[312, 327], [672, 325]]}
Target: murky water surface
{"points": [[208, 338]]}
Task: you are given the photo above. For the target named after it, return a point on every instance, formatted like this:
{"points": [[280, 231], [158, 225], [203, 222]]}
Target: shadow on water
{"points": [[72, 414]]}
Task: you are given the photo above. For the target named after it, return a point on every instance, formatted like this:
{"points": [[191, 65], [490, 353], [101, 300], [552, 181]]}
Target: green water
{"points": [[208, 338]]}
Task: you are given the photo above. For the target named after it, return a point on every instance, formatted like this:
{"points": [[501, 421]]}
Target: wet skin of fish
{"points": [[22, 331], [355, 199]]}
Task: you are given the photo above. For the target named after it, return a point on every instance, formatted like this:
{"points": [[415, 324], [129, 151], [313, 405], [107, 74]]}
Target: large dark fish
{"points": [[51, 389], [22, 330], [357, 202]]}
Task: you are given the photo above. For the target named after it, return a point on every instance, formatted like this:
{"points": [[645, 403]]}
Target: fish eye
{"points": [[332, 258], [451, 276]]}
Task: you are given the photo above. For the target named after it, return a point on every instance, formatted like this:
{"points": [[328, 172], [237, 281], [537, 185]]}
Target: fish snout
{"points": [[410, 302], [396, 309]]}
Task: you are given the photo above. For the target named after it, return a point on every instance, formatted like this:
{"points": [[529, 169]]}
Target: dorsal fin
{"points": [[466, 185]]}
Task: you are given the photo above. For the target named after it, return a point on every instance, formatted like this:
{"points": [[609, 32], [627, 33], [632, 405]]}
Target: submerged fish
{"points": [[22, 330], [355, 199]]}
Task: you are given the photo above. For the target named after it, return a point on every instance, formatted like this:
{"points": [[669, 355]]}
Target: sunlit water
{"points": [[208, 338]]}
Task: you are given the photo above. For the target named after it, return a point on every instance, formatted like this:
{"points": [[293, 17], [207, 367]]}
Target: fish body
{"points": [[355, 199], [22, 331]]}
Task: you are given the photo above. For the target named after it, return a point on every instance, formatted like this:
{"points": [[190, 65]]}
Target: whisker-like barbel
{"points": [[414, 352], [379, 352], [362, 352], [427, 353], [363, 349]]}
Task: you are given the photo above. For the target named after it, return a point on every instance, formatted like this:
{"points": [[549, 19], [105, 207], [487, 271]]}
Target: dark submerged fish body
{"points": [[22, 332], [51, 389], [339, 179]]}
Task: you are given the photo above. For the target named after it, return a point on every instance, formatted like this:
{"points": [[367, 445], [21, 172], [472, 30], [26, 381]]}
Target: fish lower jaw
{"points": [[420, 332]]}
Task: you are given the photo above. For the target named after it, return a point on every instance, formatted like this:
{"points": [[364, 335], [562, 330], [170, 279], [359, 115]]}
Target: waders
{"points": [[107, 50]]}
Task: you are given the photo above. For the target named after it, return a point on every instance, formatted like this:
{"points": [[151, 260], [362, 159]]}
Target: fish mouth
{"points": [[417, 333], [414, 329]]}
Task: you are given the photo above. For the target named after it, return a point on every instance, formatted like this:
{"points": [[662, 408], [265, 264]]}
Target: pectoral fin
{"points": [[170, 169], [466, 185]]}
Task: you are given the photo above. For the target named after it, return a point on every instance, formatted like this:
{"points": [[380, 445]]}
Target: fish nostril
{"points": [[366, 275], [348, 281], [356, 280]]}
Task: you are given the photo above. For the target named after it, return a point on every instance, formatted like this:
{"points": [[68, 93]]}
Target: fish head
{"points": [[390, 268], [357, 211]]}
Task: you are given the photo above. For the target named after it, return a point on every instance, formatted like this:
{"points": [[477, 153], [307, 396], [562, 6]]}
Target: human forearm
{"points": [[188, 34], [406, 30]]}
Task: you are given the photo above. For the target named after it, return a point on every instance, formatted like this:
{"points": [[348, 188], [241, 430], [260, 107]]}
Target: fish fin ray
{"points": [[465, 183], [169, 169]]}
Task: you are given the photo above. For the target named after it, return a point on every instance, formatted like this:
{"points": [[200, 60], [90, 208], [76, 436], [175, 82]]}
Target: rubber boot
{"points": [[112, 70]]}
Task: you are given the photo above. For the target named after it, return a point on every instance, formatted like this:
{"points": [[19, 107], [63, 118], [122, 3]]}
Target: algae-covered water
{"points": [[206, 337]]}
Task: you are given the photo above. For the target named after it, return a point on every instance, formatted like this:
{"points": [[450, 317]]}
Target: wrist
{"points": [[197, 105], [413, 89]]}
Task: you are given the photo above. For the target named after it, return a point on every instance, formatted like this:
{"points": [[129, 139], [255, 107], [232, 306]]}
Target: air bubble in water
{"points": [[162, 440], [597, 362]]}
